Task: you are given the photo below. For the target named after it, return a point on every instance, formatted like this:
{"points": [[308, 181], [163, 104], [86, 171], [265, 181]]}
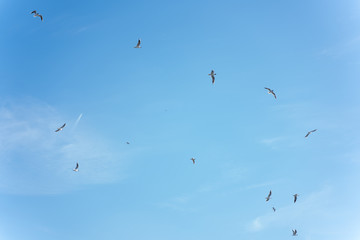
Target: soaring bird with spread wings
{"points": [[212, 74], [60, 128], [76, 169], [37, 14], [271, 92], [138, 44], [268, 197], [310, 132]]}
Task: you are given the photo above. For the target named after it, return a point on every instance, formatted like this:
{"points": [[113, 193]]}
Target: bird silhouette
{"points": [[212, 74], [37, 14], [310, 132], [295, 197], [268, 197], [271, 92], [76, 169], [138, 44], [60, 128]]}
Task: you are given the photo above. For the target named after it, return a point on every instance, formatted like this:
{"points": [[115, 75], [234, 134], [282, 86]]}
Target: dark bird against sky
{"points": [[212, 74], [193, 160], [76, 169], [37, 14], [271, 92], [60, 128], [295, 197], [268, 197], [138, 44], [310, 132], [294, 232]]}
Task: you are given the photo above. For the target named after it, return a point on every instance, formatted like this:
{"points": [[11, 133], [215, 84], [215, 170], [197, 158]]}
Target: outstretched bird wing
{"points": [[33, 12], [41, 17], [60, 128], [272, 92], [269, 194], [310, 132], [138, 44]]}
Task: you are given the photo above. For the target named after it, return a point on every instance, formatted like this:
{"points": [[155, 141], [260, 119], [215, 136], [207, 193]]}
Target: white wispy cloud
{"points": [[36, 160], [77, 121], [274, 142], [179, 203], [264, 184], [269, 141], [346, 47]]}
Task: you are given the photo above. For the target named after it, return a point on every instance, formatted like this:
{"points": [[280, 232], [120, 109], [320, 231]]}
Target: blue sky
{"points": [[79, 66]]}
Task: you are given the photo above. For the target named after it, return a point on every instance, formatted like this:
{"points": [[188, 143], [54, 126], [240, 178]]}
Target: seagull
{"points": [[274, 209], [76, 169], [37, 14], [271, 92], [295, 197], [310, 132], [138, 44], [294, 232], [212, 74], [60, 128], [268, 197], [193, 160]]}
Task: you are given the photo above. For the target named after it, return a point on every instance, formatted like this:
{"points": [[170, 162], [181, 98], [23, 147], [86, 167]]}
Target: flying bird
{"points": [[268, 197], [294, 232], [37, 14], [127, 143], [310, 132], [138, 44], [271, 92], [60, 128], [76, 169], [193, 160], [212, 74], [295, 197], [273, 209]]}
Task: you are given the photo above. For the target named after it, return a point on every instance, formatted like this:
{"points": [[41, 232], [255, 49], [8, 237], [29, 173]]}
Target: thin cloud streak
{"points": [[77, 121], [28, 144]]}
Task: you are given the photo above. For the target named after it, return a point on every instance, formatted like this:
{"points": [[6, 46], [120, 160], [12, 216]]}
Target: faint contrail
{"points": [[77, 120]]}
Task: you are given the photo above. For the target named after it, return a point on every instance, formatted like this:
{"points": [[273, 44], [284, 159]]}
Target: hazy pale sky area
{"points": [[79, 66]]}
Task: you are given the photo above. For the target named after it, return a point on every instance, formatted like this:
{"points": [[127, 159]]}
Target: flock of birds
{"points": [[212, 75], [294, 231]]}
